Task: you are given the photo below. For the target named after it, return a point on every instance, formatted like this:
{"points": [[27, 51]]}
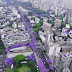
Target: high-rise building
{"points": [[62, 63]]}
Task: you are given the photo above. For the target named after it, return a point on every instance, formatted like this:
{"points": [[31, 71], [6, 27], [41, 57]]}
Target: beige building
{"points": [[58, 22]]}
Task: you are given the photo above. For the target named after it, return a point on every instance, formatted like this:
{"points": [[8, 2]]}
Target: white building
{"points": [[1, 9], [54, 49], [46, 26], [41, 35], [22, 10], [14, 11], [37, 20], [58, 23], [70, 33], [14, 25]]}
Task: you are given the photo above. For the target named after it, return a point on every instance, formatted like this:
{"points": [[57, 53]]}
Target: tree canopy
{"points": [[8, 70], [18, 59]]}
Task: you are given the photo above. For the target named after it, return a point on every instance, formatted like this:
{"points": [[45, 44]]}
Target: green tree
{"points": [[37, 25], [15, 70], [30, 64], [2, 47], [34, 69], [70, 26], [68, 36], [46, 16], [37, 37], [10, 25], [38, 16], [8, 70], [41, 21], [44, 51], [64, 24], [18, 59], [37, 29], [53, 23], [1, 50]]}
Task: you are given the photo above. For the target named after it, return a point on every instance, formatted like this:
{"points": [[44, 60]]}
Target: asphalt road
{"points": [[38, 51]]}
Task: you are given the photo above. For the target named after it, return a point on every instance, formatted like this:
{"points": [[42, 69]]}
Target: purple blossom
{"points": [[33, 14], [49, 61], [31, 34], [7, 49], [32, 11], [35, 32], [67, 31], [44, 70], [31, 58], [41, 14], [24, 45], [25, 20], [27, 28], [17, 45], [5, 26], [32, 44], [40, 65], [51, 67], [8, 61]]}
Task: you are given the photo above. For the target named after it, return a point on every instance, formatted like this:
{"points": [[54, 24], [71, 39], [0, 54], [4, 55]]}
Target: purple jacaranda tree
{"points": [[31, 58], [24, 44], [49, 61], [40, 64], [5, 26], [44, 70], [44, 14], [7, 49], [34, 14], [32, 45], [27, 28], [41, 14], [33, 39], [8, 61], [51, 67], [32, 11], [67, 31], [31, 34], [18, 45]]}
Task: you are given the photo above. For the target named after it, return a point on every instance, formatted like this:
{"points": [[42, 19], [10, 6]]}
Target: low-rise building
{"points": [[20, 50]]}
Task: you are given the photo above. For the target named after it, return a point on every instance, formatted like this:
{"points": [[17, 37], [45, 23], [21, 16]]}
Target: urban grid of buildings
{"points": [[55, 39]]}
